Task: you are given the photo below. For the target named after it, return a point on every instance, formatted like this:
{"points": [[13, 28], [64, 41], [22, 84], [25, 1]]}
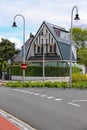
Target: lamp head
{"points": [[77, 17], [14, 24]]}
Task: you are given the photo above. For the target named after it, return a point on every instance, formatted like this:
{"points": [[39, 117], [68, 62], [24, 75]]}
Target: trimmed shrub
{"points": [[38, 71], [79, 77], [76, 69], [80, 84]]}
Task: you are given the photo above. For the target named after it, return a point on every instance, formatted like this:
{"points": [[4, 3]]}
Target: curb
{"points": [[20, 125]]}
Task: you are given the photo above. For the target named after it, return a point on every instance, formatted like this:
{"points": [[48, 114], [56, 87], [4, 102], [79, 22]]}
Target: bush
{"points": [[56, 84], [80, 84], [38, 71], [14, 84], [47, 84], [76, 69], [79, 77]]}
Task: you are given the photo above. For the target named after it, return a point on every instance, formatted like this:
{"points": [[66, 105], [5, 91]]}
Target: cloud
{"points": [[17, 42], [0, 38]]}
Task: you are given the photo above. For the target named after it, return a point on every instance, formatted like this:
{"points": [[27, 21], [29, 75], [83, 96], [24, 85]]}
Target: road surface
{"points": [[47, 108]]}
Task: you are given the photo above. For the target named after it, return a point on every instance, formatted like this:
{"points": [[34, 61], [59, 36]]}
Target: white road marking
{"points": [[70, 103], [16, 123], [26, 92], [58, 99], [43, 95], [2, 114], [36, 94], [16, 89], [22, 91], [79, 100], [49, 97], [31, 93]]}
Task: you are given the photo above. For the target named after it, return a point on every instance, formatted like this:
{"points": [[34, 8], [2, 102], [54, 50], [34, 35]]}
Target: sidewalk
{"points": [[7, 125]]}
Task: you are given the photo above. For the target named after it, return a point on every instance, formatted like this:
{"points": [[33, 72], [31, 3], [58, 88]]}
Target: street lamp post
{"points": [[14, 25], [43, 57], [43, 63], [76, 18]]}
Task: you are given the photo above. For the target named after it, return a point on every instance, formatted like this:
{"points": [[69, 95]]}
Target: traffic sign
{"points": [[9, 61], [23, 66]]}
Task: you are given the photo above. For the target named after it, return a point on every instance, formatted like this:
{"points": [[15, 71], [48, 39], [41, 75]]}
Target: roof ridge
{"points": [[56, 26]]}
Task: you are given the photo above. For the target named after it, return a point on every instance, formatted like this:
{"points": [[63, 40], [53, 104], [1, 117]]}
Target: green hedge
{"points": [[76, 69], [37, 71]]}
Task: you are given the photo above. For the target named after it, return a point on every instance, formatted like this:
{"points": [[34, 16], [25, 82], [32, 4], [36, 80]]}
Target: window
{"points": [[52, 40], [49, 37], [52, 48], [39, 49], [34, 48], [46, 31], [57, 31], [46, 48]]}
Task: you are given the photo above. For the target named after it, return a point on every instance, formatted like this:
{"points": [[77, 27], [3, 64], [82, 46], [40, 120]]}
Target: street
{"points": [[47, 108]]}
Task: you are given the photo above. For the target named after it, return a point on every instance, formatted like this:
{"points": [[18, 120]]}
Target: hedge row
{"points": [[38, 71]]}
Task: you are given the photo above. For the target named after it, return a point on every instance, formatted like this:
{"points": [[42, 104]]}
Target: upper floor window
{"points": [[57, 32], [62, 34], [39, 49], [46, 31], [52, 48]]}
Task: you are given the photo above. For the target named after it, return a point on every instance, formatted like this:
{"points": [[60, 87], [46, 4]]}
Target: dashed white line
{"points": [[49, 97], [58, 99], [70, 103], [43, 95], [36, 94], [26, 92], [31, 93]]}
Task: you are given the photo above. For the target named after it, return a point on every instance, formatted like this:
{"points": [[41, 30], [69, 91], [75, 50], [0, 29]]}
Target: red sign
{"points": [[23, 66]]}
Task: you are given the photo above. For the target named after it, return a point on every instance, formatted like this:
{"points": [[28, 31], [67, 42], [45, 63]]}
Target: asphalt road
{"points": [[47, 109]]}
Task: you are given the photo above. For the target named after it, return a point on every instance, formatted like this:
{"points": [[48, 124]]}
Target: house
{"points": [[50, 41]]}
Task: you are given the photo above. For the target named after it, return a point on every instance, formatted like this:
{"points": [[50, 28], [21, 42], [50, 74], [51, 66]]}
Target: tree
{"points": [[82, 56], [80, 37], [7, 51]]}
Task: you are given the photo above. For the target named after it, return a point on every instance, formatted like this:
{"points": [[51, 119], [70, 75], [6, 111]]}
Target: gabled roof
{"points": [[52, 28], [63, 44]]}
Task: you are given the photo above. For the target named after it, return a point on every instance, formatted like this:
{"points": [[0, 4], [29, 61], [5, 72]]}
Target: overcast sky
{"points": [[57, 12]]}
